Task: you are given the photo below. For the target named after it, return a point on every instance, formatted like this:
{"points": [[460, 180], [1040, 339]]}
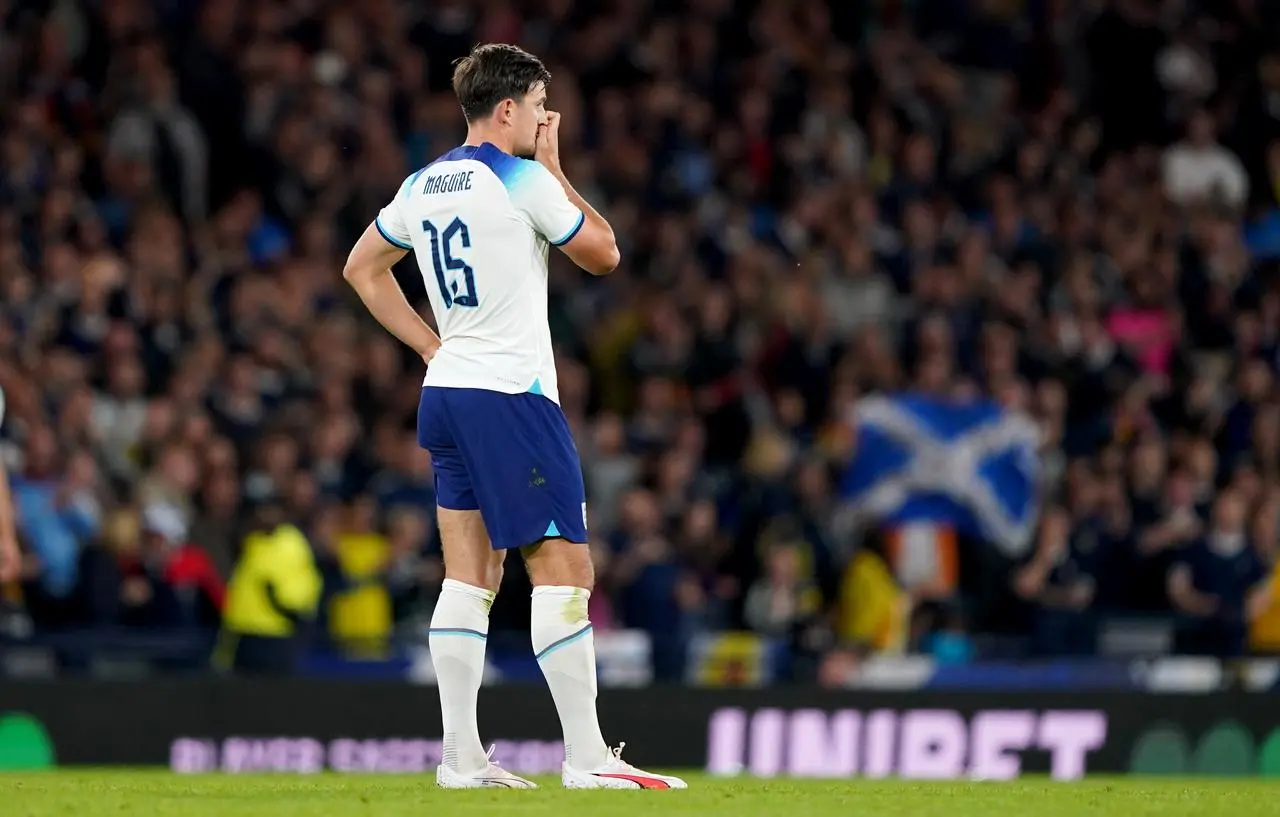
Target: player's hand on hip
{"points": [[547, 147]]}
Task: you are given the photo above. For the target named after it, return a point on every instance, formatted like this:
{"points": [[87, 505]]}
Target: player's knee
{"points": [[476, 577], [559, 563], [486, 573]]}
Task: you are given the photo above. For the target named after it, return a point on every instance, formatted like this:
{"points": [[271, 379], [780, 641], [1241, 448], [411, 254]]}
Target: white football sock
{"points": [[459, 632], [566, 651]]}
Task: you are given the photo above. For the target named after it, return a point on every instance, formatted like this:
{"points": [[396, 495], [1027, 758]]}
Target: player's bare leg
{"points": [[562, 577], [459, 632]]}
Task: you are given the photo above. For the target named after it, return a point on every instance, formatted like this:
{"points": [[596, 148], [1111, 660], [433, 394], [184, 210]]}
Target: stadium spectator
{"points": [[1070, 209], [1058, 581], [782, 599], [148, 576], [184, 567], [873, 612], [360, 614], [1219, 583], [271, 598], [413, 573], [58, 513], [1199, 168], [948, 641]]}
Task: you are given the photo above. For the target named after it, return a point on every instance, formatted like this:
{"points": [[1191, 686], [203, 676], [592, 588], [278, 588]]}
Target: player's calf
{"points": [[458, 635], [564, 644]]}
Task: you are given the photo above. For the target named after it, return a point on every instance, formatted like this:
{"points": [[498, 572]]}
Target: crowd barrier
{"points": [[232, 726]]}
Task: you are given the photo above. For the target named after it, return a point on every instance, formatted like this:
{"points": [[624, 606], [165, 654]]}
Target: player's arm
{"points": [[588, 239], [10, 557], [593, 247], [368, 270]]}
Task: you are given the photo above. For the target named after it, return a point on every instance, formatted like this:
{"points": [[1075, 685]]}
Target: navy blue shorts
{"points": [[510, 456]]}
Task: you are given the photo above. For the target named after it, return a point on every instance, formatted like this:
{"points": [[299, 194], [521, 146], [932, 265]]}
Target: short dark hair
{"points": [[493, 72]]}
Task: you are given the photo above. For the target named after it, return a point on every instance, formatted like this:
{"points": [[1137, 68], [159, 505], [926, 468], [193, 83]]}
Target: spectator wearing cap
{"points": [[186, 568]]}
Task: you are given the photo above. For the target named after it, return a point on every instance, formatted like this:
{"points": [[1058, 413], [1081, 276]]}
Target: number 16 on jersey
{"points": [[455, 276]]}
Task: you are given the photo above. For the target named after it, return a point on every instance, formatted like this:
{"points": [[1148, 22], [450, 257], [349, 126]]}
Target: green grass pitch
{"points": [[96, 793]]}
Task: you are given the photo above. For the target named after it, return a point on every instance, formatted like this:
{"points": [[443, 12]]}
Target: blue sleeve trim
{"points": [[408, 185], [392, 240], [567, 237]]}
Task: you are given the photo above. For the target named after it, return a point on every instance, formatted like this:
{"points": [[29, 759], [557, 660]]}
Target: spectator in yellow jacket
{"points": [[273, 593]]}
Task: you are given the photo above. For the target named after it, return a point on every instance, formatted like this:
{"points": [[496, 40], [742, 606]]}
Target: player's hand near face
{"points": [[547, 147], [594, 248]]}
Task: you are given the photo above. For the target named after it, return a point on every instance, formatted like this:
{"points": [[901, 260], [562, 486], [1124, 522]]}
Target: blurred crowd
{"points": [[1072, 206]]}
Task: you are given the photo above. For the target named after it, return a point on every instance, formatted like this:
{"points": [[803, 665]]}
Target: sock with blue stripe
{"points": [[459, 632], [566, 652]]}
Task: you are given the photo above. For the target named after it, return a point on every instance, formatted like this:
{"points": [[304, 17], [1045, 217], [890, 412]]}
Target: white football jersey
{"points": [[480, 222]]}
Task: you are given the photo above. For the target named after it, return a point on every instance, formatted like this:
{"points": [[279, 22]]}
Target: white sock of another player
{"points": [[458, 635], [566, 651]]}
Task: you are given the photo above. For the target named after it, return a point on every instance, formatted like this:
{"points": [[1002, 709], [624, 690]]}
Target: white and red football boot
{"points": [[491, 777], [617, 774]]}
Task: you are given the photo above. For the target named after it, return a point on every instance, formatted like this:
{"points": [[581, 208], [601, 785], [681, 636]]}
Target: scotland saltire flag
{"points": [[971, 464]]}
